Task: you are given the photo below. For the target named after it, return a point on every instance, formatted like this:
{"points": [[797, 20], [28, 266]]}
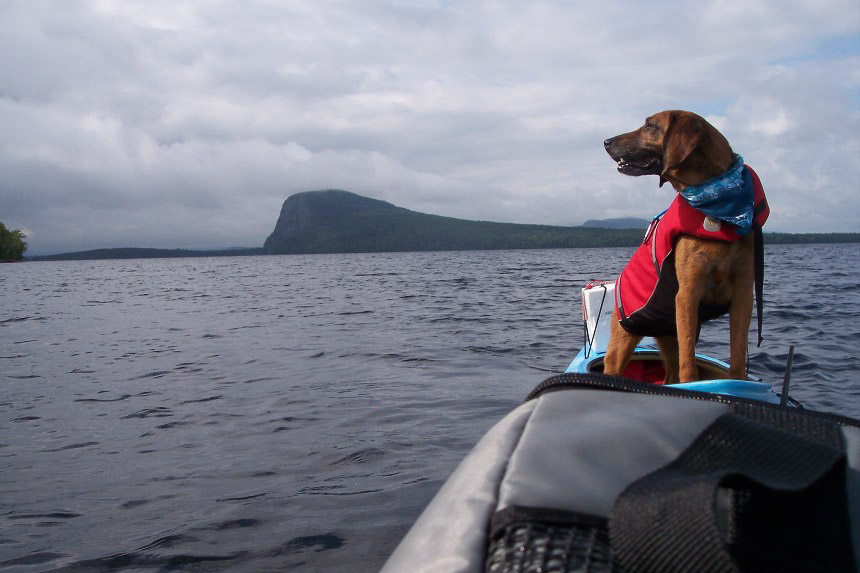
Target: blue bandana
{"points": [[727, 197]]}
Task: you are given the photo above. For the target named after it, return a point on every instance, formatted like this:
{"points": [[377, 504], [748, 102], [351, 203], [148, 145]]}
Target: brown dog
{"points": [[684, 149]]}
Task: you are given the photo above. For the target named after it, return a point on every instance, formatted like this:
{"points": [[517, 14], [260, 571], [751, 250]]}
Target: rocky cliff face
{"points": [[304, 215], [336, 221]]}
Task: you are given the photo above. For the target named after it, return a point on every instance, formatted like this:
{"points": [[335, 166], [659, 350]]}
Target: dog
{"points": [[712, 261]]}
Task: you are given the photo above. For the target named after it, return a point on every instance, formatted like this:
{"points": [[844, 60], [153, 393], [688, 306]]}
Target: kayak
{"points": [[598, 309], [600, 473]]}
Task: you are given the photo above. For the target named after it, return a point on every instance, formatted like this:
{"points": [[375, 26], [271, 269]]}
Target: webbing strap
{"points": [[743, 496], [759, 275]]}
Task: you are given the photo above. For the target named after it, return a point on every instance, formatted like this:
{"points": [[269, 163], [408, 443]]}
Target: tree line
{"points": [[12, 244]]}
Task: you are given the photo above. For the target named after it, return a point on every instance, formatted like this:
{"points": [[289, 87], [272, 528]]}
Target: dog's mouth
{"points": [[645, 165]]}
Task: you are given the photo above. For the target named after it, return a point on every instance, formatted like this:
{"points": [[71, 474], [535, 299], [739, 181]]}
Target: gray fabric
{"points": [[581, 448], [451, 533], [574, 450], [852, 483]]}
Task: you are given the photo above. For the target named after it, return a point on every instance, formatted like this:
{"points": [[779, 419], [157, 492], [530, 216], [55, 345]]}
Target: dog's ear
{"points": [[682, 136]]}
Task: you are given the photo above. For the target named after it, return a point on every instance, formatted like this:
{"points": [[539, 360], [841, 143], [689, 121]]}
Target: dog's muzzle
{"points": [[633, 161]]}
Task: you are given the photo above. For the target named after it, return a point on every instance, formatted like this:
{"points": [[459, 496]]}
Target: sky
{"points": [[186, 124]]}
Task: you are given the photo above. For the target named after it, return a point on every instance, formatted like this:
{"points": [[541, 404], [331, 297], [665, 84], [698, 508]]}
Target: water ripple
{"points": [[316, 403]]}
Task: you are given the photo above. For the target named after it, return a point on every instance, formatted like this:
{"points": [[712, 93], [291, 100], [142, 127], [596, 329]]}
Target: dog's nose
{"points": [[608, 142]]}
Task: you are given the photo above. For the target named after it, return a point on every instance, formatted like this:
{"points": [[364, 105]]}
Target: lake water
{"points": [[298, 412]]}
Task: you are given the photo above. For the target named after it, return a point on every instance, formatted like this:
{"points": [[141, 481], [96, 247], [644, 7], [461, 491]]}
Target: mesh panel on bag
{"points": [[539, 548]]}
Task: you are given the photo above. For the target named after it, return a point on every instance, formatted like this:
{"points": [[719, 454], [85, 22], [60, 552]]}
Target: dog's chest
{"points": [[727, 271]]}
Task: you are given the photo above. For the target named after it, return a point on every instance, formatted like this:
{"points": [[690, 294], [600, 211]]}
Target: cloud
{"points": [[183, 124]]}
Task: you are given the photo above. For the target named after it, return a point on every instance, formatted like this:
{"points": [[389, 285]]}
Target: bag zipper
{"points": [[577, 380]]}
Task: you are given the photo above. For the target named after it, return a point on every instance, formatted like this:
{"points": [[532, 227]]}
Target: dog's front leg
{"points": [[687, 309], [740, 314], [692, 267], [742, 277]]}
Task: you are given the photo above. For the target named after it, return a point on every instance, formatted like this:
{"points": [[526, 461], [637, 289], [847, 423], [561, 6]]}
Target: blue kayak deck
{"points": [[646, 366]]}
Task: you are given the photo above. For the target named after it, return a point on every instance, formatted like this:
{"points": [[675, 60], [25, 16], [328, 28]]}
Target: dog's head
{"points": [[679, 146]]}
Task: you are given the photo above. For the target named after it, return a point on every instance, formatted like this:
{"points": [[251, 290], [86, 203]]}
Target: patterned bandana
{"points": [[727, 197]]}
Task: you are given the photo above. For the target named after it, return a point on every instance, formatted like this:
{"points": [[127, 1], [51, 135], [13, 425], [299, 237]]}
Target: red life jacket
{"points": [[645, 291]]}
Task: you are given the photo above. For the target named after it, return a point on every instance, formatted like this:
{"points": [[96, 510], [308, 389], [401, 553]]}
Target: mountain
{"points": [[620, 223], [336, 221]]}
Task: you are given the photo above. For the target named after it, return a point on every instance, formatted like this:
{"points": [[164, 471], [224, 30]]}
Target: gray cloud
{"points": [[182, 124]]}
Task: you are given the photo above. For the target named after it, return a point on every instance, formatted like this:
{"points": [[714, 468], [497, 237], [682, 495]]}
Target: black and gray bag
{"points": [[597, 474]]}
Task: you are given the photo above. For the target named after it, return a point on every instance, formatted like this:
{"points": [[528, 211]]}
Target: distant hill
{"points": [[144, 253], [336, 221], [620, 223]]}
